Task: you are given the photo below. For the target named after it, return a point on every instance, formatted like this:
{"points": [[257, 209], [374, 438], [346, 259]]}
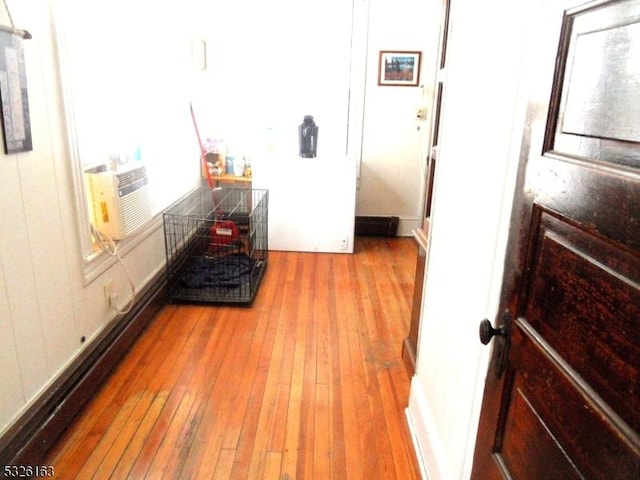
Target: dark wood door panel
{"points": [[585, 428], [604, 201], [529, 451], [583, 298]]}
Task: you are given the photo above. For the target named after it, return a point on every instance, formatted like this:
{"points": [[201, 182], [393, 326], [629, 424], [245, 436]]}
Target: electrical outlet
{"points": [[113, 301], [108, 290]]}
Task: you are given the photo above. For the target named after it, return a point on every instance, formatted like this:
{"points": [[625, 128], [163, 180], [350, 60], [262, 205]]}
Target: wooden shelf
{"points": [[230, 178], [226, 179]]}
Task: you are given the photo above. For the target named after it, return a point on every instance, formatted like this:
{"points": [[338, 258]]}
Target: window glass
{"points": [[126, 70]]}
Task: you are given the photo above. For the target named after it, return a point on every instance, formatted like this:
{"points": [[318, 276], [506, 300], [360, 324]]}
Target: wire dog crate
{"points": [[217, 245]]}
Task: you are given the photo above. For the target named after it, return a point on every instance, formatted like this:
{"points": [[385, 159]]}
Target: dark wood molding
{"points": [[409, 356], [410, 343], [35, 432]]}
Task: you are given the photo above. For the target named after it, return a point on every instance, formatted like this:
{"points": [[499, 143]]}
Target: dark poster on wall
{"points": [[16, 123]]}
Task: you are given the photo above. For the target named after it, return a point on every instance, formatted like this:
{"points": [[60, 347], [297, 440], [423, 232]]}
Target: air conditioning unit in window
{"points": [[119, 200]]}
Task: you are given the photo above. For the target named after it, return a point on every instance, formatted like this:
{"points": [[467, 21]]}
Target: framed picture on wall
{"points": [[397, 68], [14, 98]]}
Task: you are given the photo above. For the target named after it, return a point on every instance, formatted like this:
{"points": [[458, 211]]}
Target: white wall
{"points": [[478, 153], [395, 143]]}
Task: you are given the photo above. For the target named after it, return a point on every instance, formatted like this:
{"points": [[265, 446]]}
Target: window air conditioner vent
{"points": [[119, 201]]}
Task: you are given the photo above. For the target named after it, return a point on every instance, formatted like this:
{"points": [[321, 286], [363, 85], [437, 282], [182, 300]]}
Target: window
{"points": [[126, 72]]}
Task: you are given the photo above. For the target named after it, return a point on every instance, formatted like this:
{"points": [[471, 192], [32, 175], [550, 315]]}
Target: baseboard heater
{"points": [[375, 226]]}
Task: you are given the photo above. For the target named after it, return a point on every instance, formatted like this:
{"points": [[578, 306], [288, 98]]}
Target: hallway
{"points": [[308, 383]]}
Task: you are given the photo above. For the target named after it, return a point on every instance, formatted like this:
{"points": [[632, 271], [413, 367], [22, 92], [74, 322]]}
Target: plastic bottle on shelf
{"points": [[229, 164]]}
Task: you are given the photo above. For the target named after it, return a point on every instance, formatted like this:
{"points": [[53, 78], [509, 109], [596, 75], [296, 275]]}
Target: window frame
{"points": [[94, 261]]}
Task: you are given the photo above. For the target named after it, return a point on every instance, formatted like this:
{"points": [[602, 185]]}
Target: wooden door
{"points": [[566, 402], [437, 108]]}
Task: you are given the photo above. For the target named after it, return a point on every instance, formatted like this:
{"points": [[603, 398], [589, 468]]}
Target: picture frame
{"points": [[14, 97], [399, 68]]}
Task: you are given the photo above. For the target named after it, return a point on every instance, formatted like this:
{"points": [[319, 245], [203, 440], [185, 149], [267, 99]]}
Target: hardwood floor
{"points": [[308, 383]]}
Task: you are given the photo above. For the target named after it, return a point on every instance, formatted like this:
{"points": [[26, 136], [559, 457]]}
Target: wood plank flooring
{"points": [[308, 383]]}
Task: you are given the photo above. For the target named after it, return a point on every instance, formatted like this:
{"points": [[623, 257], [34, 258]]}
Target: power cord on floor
{"points": [[110, 247]]}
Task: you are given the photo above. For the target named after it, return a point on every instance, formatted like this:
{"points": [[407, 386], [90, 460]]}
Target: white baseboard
{"points": [[416, 445], [427, 443]]}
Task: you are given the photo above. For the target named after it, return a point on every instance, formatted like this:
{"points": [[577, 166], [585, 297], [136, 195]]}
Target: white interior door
{"points": [[311, 200]]}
